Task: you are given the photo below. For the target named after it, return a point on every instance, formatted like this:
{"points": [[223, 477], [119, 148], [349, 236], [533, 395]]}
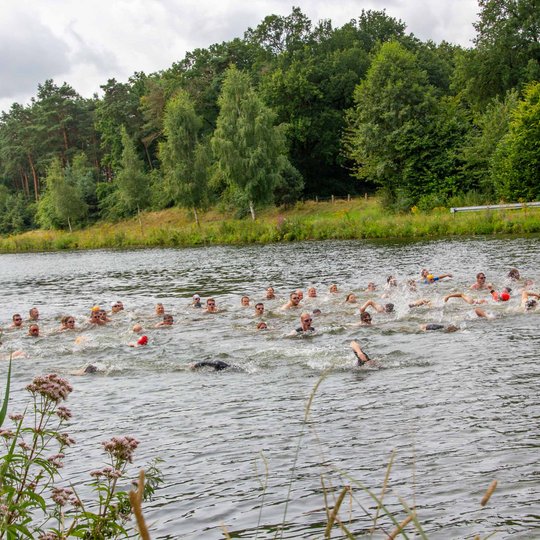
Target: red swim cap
{"points": [[143, 340], [505, 296]]}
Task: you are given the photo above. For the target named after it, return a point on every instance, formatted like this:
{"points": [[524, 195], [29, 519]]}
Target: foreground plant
{"points": [[32, 503]]}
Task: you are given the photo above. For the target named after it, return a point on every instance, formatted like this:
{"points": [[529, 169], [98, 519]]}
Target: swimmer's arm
{"points": [[374, 305], [442, 276], [362, 357], [481, 313], [454, 295], [421, 302]]}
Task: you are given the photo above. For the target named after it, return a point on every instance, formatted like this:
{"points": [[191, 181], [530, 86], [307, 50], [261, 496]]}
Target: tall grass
{"points": [[343, 220]]}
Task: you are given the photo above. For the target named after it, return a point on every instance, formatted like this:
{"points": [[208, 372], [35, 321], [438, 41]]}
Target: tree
{"points": [[516, 163], [62, 203], [184, 158], [507, 52], [132, 184], [393, 108], [249, 149]]}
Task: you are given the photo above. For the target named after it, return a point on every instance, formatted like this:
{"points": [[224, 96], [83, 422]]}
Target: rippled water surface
{"points": [[460, 409]]}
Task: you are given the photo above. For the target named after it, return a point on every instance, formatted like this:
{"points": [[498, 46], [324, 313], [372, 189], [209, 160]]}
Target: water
{"points": [[460, 409]]}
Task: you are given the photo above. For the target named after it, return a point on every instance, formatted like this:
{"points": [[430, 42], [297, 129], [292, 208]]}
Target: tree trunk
{"points": [[196, 217], [26, 188], [252, 210], [69, 225], [34, 175], [140, 220]]}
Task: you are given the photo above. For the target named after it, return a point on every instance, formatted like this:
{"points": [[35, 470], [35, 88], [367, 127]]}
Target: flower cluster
{"points": [[64, 439], [16, 417], [61, 496], [7, 434], [121, 448], [51, 387], [63, 413], [49, 536], [107, 472], [56, 460]]}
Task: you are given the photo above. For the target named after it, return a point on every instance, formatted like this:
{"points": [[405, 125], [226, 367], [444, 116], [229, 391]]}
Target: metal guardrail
{"points": [[493, 207]]}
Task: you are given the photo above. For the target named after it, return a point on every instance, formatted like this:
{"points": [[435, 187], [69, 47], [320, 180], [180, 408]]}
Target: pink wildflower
{"points": [[61, 496], [51, 387], [63, 413], [121, 448]]}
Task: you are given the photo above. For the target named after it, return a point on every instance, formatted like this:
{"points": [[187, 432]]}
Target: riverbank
{"points": [[343, 220]]}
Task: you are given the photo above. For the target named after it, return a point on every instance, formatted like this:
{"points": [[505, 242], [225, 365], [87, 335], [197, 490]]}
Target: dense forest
{"points": [[291, 110]]}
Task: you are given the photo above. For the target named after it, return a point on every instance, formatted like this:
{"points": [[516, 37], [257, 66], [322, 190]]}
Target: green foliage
{"points": [[507, 52], [62, 203], [249, 149], [185, 159], [133, 190], [480, 143], [516, 163]]}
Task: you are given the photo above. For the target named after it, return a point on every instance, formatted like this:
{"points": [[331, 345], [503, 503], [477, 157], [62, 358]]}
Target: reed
{"points": [[341, 220]]}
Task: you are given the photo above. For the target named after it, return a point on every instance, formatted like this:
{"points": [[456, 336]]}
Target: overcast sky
{"points": [[87, 43]]}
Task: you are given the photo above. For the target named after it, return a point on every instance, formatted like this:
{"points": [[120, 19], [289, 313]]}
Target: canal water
{"points": [[458, 410]]}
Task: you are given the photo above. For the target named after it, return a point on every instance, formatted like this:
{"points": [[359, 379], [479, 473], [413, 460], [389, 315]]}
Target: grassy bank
{"points": [[355, 219]]}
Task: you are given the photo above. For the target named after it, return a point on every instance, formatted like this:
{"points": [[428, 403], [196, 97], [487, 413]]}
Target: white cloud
{"points": [[86, 43]]}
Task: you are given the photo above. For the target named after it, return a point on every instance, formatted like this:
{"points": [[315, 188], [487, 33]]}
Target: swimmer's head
{"points": [[262, 326], [365, 317], [451, 328], [95, 308], [143, 340], [514, 274], [389, 307], [430, 277], [137, 328], [196, 298], [317, 311], [531, 304], [504, 296]]}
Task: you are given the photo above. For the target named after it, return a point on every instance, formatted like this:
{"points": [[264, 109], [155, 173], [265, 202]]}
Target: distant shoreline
{"points": [[353, 219]]}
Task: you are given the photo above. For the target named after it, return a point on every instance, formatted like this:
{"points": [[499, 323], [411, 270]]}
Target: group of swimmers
{"points": [[487, 291]]}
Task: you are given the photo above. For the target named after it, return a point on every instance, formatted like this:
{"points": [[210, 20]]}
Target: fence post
{"points": [[332, 199], [365, 195], [316, 198], [348, 197]]}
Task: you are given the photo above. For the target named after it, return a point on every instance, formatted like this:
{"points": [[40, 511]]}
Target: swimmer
{"points": [[117, 306], [305, 325], [379, 308], [502, 296], [168, 320], [270, 293], [435, 326], [420, 302], [103, 316], [90, 369], [361, 356], [141, 342], [211, 306], [33, 314], [67, 323], [244, 301], [95, 318], [480, 283], [316, 312], [196, 301], [483, 313], [365, 318], [294, 301], [159, 310], [371, 287], [33, 330], [466, 298], [514, 274], [351, 298], [137, 328], [217, 365], [333, 288], [529, 304], [312, 292], [300, 294], [430, 278], [262, 326], [259, 309], [411, 285], [17, 321], [391, 281]]}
